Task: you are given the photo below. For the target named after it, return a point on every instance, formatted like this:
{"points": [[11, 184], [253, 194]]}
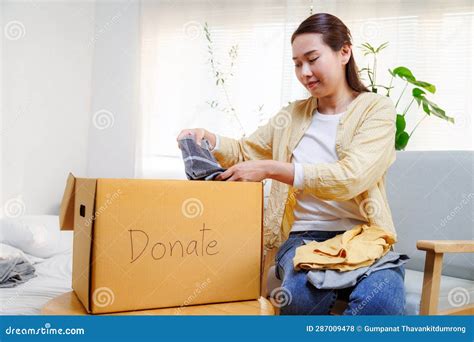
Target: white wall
{"points": [[70, 88], [115, 90], [46, 87]]}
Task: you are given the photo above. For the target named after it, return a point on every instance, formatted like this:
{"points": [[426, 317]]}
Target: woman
{"points": [[327, 156]]}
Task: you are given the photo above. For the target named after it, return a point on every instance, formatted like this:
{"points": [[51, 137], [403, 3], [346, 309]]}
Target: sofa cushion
{"points": [[431, 197], [453, 293]]}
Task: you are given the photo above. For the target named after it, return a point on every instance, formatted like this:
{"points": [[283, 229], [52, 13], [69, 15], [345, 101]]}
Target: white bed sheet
{"points": [[54, 277]]}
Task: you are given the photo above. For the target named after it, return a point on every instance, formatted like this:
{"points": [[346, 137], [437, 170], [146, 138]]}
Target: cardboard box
{"points": [[142, 244]]}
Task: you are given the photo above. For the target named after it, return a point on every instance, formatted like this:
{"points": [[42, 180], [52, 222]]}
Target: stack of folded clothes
{"points": [[343, 260], [15, 271], [333, 279], [357, 247]]}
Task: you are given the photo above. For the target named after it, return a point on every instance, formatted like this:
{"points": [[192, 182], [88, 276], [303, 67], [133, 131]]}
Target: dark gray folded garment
{"points": [[14, 271], [199, 163]]}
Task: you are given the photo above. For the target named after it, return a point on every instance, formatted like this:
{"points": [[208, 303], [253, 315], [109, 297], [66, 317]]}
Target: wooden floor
{"points": [[69, 304]]}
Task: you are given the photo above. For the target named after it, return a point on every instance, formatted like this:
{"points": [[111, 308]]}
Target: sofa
{"points": [[431, 195]]}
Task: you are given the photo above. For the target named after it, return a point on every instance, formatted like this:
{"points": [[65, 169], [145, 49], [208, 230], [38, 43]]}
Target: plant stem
{"points": [[400, 97], [370, 77], [390, 86], [408, 107], [419, 122], [375, 69], [233, 109]]}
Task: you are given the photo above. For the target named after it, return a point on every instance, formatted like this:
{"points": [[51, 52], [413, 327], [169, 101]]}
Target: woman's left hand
{"points": [[248, 171]]}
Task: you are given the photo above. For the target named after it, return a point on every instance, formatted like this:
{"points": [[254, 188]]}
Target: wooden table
{"points": [[69, 304]]}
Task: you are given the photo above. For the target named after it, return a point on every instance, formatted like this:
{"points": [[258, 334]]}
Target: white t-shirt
{"points": [[318, 145]]}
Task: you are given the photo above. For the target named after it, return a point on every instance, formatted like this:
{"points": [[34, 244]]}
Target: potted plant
{"points": [[223, 73], [418, 93]]}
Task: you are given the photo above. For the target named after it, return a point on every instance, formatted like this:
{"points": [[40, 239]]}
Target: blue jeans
{"points": [[380, 293]]}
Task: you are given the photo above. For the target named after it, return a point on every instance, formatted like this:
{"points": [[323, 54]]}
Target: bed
{"points": [[53, 278]]}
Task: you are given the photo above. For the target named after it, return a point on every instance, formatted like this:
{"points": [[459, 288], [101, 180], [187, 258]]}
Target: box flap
{"points": [[66, 213], [84, 209]]}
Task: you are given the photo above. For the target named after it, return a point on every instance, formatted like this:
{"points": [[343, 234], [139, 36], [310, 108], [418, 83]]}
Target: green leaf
{"points": [[381, 47], [417, 92], [425, 85], [401, 123], [437, 111], [403, 73], [401, 140], [428, 106], [368, 47]]}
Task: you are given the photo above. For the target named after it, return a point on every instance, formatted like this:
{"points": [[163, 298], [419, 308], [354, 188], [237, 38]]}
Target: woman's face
{"points": [[317, 67]]}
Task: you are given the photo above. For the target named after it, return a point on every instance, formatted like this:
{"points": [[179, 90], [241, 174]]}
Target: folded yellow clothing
{"points": [[357, 247]]}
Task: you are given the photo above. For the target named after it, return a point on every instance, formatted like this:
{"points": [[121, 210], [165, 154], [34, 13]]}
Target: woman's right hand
{"points": [[199, 134]]}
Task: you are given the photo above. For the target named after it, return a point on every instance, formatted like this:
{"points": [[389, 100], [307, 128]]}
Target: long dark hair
{"points": [[335, 34]]}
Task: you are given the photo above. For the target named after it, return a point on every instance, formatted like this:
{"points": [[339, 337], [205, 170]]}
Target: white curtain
{"points": [[102, 88], [433, 39], [178, 84]]}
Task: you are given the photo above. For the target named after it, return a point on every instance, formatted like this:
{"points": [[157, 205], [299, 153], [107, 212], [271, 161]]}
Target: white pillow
{"points": [[65, 241], [10, 252], [37, 235]]}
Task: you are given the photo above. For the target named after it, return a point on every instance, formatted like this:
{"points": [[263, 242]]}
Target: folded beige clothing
{"points": [[357, 247]]}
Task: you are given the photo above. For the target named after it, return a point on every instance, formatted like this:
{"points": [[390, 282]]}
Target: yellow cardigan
{"points": [[365, 143]]}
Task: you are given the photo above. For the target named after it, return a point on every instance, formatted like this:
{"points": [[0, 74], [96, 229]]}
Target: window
{"points": [[433, 39]]}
